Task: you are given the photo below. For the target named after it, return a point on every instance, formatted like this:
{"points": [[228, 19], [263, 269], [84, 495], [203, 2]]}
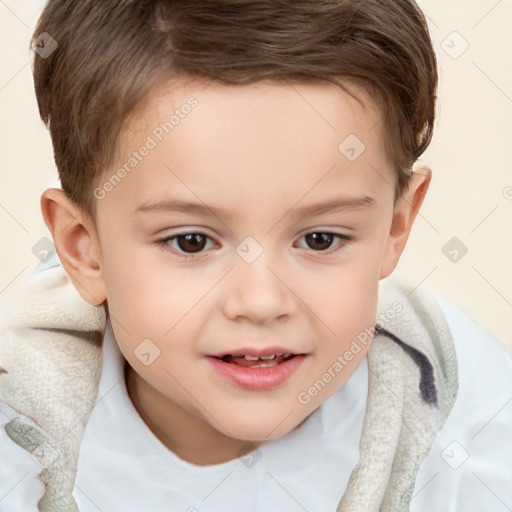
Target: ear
{"points": [[76, 243], [405, 211]]}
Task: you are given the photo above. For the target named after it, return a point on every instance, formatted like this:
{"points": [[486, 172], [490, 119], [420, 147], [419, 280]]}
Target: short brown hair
{"points": [[111, 53]]}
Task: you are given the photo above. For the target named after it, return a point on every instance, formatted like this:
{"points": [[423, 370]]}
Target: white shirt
{"points": [[123, 466]]}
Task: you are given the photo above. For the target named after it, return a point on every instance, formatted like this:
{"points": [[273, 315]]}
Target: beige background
{"points": [[470, 197]]}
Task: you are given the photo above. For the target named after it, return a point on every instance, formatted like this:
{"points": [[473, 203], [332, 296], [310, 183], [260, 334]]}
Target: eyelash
{"points": [[163, 243]]}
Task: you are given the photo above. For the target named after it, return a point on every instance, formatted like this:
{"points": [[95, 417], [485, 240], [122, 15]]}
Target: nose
{"points": [[258, 293]]}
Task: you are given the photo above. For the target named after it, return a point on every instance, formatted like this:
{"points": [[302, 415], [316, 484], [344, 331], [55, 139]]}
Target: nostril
{"points": [[3, 370]]}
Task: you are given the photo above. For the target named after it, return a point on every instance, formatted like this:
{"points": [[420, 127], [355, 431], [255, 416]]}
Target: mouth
{"points": [[257, 372], [249, 361]]}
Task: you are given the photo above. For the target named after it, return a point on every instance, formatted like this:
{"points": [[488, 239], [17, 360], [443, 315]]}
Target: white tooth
{"points": [[266, 365], [251, 358], [287, 355], [268, 357]]}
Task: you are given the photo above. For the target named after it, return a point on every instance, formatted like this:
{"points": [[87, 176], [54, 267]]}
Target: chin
{"points": [[268, 429]]}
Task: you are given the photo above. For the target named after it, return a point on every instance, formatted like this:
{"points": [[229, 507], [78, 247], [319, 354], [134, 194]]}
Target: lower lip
{"points": [[257, 379]]}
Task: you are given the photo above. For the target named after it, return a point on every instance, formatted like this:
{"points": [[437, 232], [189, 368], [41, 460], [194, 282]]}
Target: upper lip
{"points": [[256, 352]]}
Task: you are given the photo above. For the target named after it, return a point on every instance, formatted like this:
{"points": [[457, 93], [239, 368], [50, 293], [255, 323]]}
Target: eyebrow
{"points": [[172, 205]]}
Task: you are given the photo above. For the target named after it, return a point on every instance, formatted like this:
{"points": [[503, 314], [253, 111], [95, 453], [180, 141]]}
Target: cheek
{"points": [[132, 304], [353, 284], [349, 307], [149, 299]]}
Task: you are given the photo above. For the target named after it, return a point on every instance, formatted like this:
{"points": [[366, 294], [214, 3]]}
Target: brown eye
{"points": [[187, 245], [324, 241], [191, 242], [319, 241]]}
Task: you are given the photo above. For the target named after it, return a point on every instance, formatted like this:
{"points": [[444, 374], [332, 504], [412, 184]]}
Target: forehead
{"points": [[292, 110], [289, 106], [242, 143]]}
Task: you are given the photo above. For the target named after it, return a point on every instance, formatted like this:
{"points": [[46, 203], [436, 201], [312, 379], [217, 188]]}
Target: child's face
{"points": [[251, 158]]}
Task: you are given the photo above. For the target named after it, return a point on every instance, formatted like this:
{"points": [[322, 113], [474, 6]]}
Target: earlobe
{"points": [[76, 243], [405, 212]]}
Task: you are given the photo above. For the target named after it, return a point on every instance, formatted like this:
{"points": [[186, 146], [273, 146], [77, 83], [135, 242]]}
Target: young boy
{"points": [[216, 332]]}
